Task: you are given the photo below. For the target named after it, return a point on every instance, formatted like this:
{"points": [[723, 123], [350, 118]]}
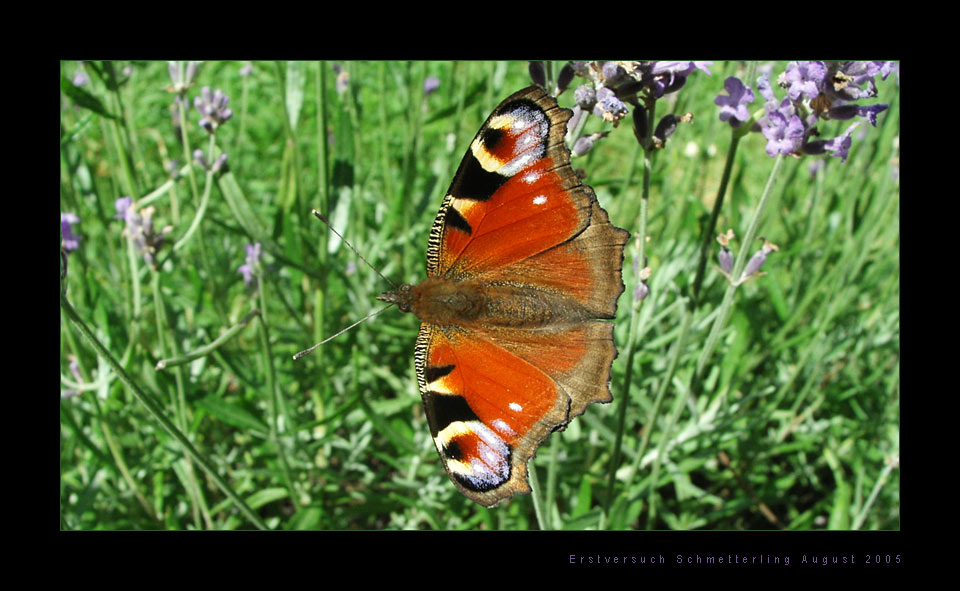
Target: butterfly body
{"points": [[523, 276], [475, 303]]}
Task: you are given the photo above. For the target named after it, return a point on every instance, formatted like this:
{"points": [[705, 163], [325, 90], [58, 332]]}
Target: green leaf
{"points": [[296, 80], [233, 414], [266, 496], [84, 99]]}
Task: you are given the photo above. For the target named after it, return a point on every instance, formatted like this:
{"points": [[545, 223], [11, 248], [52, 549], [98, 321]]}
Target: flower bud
{"points": [[538, 74], [585, 96], [200, 158], [640, 124], [565, 77], [726, 259], [220, 163]]}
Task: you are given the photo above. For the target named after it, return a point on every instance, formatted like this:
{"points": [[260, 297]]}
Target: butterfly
{"points": [[523, 276]]}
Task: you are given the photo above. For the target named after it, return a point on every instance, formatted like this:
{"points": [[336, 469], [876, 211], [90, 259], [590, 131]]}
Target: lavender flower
{"points": [[585, 143], [77, 376], [80, 78], [586, 96], [212, 108], [246, 70], [667, 77], [850, 80], [430, 85], [175, 114], [251, 267], [613, 73], [140, 228], [71, 241], [609, 107], [783, 129], [815, 91], [844, 112], [641, 291], [840, 146], [733, 108], [725, 256], [218, 164], [200, 159], [757, 260], [667, 125], [182, 77], [616, 84], [804, 78]]}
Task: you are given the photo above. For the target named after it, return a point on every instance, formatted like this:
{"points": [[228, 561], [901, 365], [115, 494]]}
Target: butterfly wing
{"points": [[516, 215], [514, 194], [492, 397]]}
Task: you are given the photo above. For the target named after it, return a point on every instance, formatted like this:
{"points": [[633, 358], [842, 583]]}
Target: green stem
{"points": [[542, 522], [207, 349], [198, 217], [635, 310], [742, 257], [178, 399], [271, 385]]}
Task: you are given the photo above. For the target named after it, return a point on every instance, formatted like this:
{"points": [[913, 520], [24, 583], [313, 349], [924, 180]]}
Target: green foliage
{"points": [[793, 424]]}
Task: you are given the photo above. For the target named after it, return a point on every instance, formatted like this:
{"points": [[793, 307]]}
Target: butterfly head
{"points": [[401, 297]]}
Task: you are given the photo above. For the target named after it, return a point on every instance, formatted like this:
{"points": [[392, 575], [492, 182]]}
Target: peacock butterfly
{"points": [[523, 276]]}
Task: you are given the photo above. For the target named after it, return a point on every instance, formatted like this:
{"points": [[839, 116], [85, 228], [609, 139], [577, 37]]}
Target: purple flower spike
{"points": [[252, 264], [804, 79], [71, 240], [430, 85], [784, 134], [140, 228], [733, 108], [213, 110]]}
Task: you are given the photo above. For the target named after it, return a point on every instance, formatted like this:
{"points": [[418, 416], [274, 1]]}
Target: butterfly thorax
{"points": [[474, 303]]}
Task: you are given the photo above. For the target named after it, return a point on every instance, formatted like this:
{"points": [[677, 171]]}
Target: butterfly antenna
{"points": [[306, 352], [320, 217]]}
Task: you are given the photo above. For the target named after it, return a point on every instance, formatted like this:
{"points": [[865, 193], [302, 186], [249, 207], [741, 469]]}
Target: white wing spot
{"points": [[503, 427], [515, 407], [539, 200], [531, 178]]}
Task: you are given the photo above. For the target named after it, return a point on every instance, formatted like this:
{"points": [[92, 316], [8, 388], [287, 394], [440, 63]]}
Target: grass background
{"points": [[796, 425]]}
